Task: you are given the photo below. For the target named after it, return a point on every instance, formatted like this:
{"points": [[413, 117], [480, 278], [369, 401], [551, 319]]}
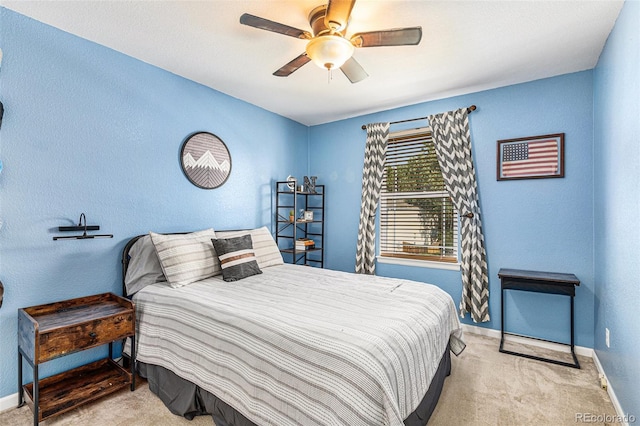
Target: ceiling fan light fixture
{"points": [[329, 51]]}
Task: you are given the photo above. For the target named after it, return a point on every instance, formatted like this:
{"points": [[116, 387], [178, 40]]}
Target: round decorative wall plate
{"points": [[291, 182], [205, 160]]}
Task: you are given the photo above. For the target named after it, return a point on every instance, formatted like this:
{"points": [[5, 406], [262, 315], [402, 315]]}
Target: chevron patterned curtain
{"points": [[375, 151], [452, 140]]}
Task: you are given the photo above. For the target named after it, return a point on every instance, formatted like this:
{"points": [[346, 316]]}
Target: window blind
{"points": [[417, 218]]}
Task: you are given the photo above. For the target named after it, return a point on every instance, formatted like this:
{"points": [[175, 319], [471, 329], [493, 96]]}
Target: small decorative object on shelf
{"points": [[310, 184], [291, 183], [305, 244], [300, 237]]}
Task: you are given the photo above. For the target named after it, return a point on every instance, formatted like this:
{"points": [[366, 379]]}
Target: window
{"points": [[417, 218]]}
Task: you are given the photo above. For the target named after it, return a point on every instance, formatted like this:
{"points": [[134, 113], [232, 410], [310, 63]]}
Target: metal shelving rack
{"points": [[287, 232]]}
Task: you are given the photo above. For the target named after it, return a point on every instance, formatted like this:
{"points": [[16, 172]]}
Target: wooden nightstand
{"points": [[50, 331]]}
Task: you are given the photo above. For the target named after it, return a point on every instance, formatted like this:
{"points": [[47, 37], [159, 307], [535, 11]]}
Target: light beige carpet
{"points": [[486, 387]]}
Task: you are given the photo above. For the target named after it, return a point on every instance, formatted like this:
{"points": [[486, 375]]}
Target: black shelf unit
{"points": [[287, 232]]}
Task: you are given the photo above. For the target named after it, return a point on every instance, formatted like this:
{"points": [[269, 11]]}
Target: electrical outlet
{"points": [[603, 382], [606, 337]]}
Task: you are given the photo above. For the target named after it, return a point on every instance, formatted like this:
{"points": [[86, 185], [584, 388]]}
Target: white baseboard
{"points": [[8, 402], [489, 332], [611, 392]]}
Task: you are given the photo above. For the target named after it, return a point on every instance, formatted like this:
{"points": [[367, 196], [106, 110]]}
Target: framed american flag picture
{"points": [[530, 158]]}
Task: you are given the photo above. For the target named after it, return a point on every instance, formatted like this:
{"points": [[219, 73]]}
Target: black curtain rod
{"points": [[471, 108]]}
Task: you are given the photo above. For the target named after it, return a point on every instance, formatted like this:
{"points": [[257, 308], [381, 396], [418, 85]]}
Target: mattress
{"points": [[298, 345]]}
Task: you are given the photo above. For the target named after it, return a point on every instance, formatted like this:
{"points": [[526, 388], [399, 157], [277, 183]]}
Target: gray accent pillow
{"points": [[266, 249], [144, 267], [237, 258]]}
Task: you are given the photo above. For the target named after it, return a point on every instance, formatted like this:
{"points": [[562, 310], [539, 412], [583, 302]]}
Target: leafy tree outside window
{"points": [[417, 218]]}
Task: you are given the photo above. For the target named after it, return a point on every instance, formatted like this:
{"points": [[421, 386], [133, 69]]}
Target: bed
{"points": [[286, 344]]}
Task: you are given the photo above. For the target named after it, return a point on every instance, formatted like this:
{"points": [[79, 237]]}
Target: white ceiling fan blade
{"points": [[353, 70]]}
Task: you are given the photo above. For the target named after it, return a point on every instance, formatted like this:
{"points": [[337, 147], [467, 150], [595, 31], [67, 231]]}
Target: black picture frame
{"points": [[205, 160], [533, 157]]}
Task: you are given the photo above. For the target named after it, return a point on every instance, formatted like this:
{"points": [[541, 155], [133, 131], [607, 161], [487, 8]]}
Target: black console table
{"points": [[541, 282]]}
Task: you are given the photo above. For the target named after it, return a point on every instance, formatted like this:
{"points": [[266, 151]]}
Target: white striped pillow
{"points": [[237, 257], [267, 252], [186, 258]]}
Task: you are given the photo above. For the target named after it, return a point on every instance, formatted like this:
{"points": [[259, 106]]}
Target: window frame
{"points": [[424, 260]]}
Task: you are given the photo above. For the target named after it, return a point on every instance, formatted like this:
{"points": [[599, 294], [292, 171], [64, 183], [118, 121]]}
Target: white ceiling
{"points": [[467, 46]]}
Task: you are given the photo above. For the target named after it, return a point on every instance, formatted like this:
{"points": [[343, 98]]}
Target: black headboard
{"points": [[125, 260]]}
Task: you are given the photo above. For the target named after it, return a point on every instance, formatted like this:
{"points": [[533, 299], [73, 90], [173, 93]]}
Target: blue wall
{"points": [[87, 129], [616, 207], [539, 224]]}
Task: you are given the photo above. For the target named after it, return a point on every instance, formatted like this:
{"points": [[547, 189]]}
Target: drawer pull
{"points": [[92, 335]]}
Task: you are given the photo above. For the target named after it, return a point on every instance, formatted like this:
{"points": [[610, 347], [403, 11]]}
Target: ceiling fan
{"points": [[328, 46]]}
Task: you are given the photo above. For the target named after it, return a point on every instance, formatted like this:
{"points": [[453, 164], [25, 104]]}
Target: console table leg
{"points": [[36, 396], [572, 324], [573, 349], [501, 318], [20, 390]]}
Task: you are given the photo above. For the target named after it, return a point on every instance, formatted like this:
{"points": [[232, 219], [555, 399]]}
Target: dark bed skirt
{"points": [[184, 398]]}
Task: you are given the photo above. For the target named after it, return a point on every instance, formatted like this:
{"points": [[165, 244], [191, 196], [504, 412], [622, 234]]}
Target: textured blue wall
{"points": [[539, 224], [87, 129], [617, 203], [90, 130]]}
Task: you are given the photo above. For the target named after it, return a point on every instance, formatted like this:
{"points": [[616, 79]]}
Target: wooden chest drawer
{"points": [[48, 331], [66, 340]]}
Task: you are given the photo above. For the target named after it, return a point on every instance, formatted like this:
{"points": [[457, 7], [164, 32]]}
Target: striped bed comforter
{"points": [[302, 346]]}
